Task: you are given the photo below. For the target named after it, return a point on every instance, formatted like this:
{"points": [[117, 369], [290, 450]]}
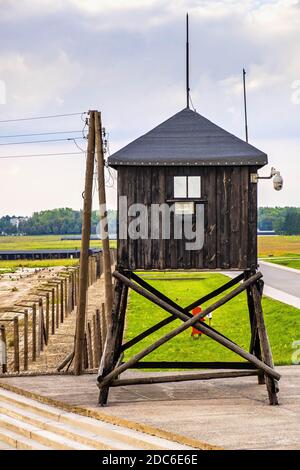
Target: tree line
{"points": [[64, 221], [283, 220]]}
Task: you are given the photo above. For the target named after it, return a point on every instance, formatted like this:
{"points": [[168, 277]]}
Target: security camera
{"points": [[277, 181], [277, 178]]}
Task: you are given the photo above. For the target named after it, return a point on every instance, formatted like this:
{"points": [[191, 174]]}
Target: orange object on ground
{"points": [[195, 311]]}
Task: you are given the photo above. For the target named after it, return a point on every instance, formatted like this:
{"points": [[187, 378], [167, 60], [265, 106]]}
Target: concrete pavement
{"points": [[281, 278], [228, 413]]}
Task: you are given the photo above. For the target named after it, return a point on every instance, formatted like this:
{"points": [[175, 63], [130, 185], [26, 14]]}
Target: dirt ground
{"points": [[15, 286], [19, 286]]}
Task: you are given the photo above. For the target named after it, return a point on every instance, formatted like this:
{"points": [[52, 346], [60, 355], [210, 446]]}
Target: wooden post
{"points": [[70, 293], [108, 360], [85, 353], [103, 216], [85, 242], [16, 345], [90, 345], [254, 343], [4, 352], [40, 343], [96, 343], [26, 339], [52, 311], [33, 332], [99, 335], [103, 325], [57, 304], [62, 303], [66, 295], [76, 285], [272, 386], [47, 325], [72, 290]]}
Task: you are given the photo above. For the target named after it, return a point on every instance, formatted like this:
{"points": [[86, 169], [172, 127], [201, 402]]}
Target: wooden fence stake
{"points": [[16, 345], [47, 326], [52, 311], [66, 295], [90, 345], [96, 343], [40, 343], [33, 332], [62, 301], [99, 335], [4, 353], [26, 339]]}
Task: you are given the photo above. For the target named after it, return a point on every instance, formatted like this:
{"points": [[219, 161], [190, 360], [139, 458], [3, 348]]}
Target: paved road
{"points": [[282, 279]]}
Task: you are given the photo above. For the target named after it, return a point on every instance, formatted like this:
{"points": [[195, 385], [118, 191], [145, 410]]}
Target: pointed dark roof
{"points": [[187, 138]]}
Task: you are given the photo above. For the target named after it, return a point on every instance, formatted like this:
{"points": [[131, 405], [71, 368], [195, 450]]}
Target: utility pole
{"points": [[85, 243], [103, 217]]}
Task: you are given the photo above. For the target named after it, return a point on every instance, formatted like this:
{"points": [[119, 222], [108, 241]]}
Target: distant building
{"points": [[15, 221], [266, 232]]}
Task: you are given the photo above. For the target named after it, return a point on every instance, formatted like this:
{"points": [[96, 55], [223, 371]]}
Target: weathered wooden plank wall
{"points": [[230, 218]]}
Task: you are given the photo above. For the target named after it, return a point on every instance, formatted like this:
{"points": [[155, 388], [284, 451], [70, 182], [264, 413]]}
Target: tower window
{"points": [[187, 187]]}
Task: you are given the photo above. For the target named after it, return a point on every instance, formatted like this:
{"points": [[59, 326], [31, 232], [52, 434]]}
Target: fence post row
{"points": [[52, 303]]}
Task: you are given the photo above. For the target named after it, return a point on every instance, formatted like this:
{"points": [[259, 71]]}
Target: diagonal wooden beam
{"points": [[164, 322], [188, 322], [214, 293]]}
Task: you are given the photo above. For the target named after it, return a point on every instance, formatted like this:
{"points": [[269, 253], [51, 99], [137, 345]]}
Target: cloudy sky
{"points": [[127, 58]]}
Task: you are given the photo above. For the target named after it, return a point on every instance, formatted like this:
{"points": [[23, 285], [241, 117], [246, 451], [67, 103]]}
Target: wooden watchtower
{"points": [[207, 178]]}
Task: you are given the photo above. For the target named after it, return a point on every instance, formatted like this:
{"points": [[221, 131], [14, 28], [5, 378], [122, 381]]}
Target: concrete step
{"points": [[40, 436], [10, 440], [37, 419]]}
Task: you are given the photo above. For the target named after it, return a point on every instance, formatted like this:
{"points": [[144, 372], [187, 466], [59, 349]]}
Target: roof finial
{"points": [[187, 64]]}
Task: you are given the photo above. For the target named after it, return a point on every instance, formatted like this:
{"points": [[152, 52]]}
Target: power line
{"points": [[39, 133], [42, 141], [42, 155], [43, 117]]}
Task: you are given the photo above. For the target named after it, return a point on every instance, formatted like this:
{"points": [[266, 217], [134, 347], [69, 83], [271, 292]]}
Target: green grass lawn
{"points": [[283, 321], [290, 263]]}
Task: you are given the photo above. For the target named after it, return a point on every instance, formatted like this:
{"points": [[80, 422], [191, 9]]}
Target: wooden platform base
{"points": [[259, 358]]}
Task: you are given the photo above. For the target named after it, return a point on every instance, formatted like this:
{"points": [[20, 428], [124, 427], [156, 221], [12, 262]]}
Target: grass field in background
{"points": [[12, 265], [269, 247], [44, 242], [41, 242], [281, 245], [282, 321], [280, 250]]}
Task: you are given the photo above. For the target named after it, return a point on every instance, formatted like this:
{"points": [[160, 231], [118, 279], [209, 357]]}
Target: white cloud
{"points": [[127, 58], [32, 84]]}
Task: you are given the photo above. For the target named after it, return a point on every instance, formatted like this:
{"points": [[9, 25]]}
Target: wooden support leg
{"points": [[272, 387], [112, 348], [254, 342]]}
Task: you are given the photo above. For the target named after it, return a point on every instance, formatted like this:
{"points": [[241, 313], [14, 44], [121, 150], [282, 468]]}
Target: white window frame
{"points": [[185, 194]]}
